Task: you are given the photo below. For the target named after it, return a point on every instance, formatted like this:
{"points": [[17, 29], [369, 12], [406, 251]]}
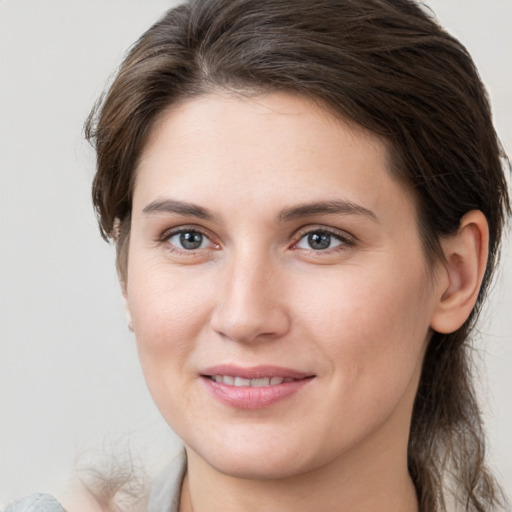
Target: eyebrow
{"points": [[179, 207], [339, 206], [334, 207]]}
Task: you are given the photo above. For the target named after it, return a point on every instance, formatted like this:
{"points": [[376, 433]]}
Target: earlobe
{"points": [[462, 272], [126, 306]]}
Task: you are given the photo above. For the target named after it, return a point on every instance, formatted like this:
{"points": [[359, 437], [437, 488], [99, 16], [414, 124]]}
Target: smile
{"points": [[256, 383], [253, 388]]}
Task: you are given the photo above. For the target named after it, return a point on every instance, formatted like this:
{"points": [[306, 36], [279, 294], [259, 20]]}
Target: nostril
{"points": [[247, 328], [249, 306]]}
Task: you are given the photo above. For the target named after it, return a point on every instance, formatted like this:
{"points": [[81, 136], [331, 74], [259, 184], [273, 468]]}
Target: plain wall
{"points": [[70, 384]]}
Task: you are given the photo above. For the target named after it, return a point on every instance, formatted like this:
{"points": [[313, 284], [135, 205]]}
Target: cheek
{"points": [[165, 307], [168, 315], [373, 328]]}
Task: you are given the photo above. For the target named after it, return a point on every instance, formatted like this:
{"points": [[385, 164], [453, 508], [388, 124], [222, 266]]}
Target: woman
{"points": [[307, 201]]}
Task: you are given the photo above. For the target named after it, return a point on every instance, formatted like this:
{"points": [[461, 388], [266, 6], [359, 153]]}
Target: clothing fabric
{"points": [[164, 495], [36, 503], [165, 491]]}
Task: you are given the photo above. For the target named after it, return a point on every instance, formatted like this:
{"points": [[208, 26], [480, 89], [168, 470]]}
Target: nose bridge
{"points": [[251, 303]]}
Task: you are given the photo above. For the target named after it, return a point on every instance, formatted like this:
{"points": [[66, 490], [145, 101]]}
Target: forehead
{"points": [[222, 147]]}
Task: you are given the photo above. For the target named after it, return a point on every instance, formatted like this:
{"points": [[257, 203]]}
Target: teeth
{"points": [[240, 381], [257, 383]]}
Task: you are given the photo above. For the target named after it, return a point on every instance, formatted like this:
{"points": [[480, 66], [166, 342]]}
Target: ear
{"points": [[461, 273], [126, 306]]}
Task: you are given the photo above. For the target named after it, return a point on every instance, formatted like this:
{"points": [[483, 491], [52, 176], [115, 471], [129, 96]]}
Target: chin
{"points": [[262, 467], [255, 456]]}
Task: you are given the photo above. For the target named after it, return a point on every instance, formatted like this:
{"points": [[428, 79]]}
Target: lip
{"points": [[249, 397], [254, 372]]}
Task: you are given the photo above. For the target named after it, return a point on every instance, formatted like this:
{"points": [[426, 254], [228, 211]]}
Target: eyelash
{"points": [[167, 235], [345, 241]]}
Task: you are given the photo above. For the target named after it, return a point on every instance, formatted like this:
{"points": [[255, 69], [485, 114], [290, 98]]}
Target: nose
{"points": [[251, 304]]}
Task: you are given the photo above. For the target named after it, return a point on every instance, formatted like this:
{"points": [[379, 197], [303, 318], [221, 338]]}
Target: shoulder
{"points": [[36, 503], [164, 495], [40, 502]]}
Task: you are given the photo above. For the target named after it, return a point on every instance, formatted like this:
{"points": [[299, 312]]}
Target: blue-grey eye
{"points": [[189, 240], [319, 241]]}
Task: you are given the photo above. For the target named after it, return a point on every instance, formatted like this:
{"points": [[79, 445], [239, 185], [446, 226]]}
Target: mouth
{"points": [[255, 383], [255, 387]]}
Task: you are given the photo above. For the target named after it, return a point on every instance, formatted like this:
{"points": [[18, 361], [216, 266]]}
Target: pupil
{"points": [[319, 240], [191, 240]]}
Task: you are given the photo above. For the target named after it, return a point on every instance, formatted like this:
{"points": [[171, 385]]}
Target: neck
{"points": [[364, 480]]}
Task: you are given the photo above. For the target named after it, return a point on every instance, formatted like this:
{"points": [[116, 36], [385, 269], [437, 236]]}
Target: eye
{"points": [[321, 240], [188, 240]]}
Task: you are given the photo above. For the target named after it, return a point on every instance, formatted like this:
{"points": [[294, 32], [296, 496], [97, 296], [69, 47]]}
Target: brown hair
{"points": [[386, 65]]}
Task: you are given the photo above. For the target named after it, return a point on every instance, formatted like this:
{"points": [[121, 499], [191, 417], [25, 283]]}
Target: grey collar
{"points": [[165, 491]]}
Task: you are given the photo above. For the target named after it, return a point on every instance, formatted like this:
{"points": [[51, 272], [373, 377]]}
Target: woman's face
{"points": [[279, 294]]}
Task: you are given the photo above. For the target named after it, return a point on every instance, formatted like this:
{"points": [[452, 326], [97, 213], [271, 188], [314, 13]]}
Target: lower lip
{"points": [[252, 397]]}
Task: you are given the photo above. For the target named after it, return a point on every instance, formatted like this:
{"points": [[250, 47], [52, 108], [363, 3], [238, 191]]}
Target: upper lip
{"points": [[254, 372]]}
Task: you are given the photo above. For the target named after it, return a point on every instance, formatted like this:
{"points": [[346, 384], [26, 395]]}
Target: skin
{"points": [[356, 315]]}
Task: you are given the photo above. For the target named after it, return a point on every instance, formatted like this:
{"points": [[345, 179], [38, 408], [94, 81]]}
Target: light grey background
{"points": [[70, 385]]}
